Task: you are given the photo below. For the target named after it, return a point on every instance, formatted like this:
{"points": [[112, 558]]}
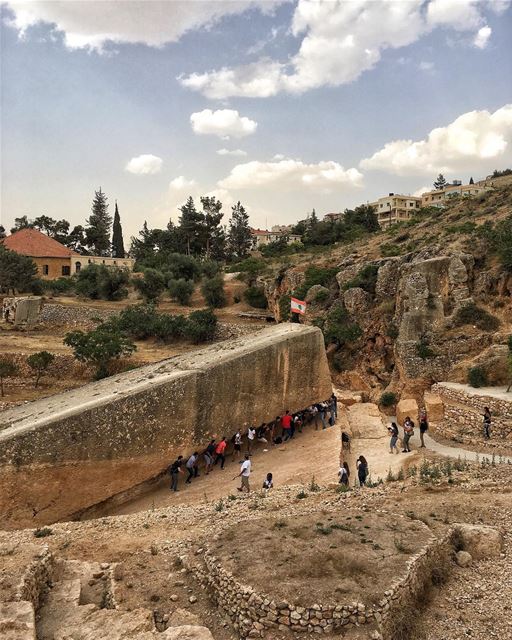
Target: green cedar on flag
{"points": [[298, 306]]}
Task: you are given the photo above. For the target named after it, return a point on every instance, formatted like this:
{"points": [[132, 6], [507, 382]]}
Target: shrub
{"points": [[366, 279], [39, 363], [255, 296], [321, 296], [249, 269], [472, 314], [137, 320], [151, 285], [213, 292], [210, 268], [201, 325], [477, 377], [181, 290], [284, 308], [99, 347], [423, 350], [338, 329], [388, 399], [43, 533], [319, 275], [7, 370], [389, 250], [97, 281], [392, 331], [60, 285]]}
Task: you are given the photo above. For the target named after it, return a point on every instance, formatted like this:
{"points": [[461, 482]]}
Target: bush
{"points": [[213, 292], [472, 314], [321, 296], [138, 321], [249, 269], [97, 281], [388, 399], [423, 350], [181, 290], [255, 296], [201, 325], [477, 377], [60, 285], [151, 285], [366, 279], [338, 329], [39, 363], [210, 268], [8, 369], [284, 308], [389, 250]]}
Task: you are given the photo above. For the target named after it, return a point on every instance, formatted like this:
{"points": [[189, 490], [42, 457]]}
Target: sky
{"points": [[284, 105]]}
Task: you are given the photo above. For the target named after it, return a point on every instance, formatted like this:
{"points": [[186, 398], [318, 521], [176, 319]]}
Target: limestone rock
{"points": [[17, 621], [180, 617], [387, 279], [357, 300], [187, 632], [434, 407], [481, 541], [457, 273], [317, 290], [407, 407], [463, 558]]}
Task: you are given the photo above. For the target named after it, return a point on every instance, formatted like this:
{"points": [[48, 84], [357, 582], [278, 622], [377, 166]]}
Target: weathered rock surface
{"points": [[481, 541], [434, 407], [357, 300], [407, 407], [187, 632]]}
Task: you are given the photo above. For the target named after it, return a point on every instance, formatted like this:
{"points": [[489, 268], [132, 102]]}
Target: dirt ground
{"points": [[323, 557]]}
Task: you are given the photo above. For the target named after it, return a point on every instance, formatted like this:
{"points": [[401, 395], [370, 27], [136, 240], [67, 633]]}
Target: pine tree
{"points": [[239, 233], [440, 183], [99, 224], [191, 225], [215, 237], [471, 181], [117, 236]]}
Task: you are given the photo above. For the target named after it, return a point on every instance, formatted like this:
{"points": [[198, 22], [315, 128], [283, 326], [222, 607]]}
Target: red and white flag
{"points": [[298, 306]]}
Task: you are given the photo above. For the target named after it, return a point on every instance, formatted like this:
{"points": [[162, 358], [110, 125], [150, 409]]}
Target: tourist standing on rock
{"points": [[408, 433], [192, 467], [174, 471], [286, 423], [237, 444], [393, 433], [268, 483], [245, 472], [362, 470], [209, 454], [487, 423], [423, 426], [220, 452], [251, 437]]}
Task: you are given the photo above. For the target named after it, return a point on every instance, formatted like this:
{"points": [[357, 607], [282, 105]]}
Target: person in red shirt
{"points": [[286, 423], [220, 452]]}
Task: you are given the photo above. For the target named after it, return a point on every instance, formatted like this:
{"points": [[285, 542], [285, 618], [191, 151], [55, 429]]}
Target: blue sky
{"points": [[311, 103]]}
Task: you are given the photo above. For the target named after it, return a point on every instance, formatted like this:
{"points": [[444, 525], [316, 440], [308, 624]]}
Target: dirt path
{"points": [[456, 452]]}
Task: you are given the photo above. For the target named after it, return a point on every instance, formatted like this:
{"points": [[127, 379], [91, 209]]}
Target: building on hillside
{"points": [[53, 259], [261, 237], [395, 208], [334, 217], [282, 228], [438, 197]]}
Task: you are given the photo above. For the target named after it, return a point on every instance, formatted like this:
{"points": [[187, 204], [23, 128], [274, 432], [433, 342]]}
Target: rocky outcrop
{"points": [[357, 301]]}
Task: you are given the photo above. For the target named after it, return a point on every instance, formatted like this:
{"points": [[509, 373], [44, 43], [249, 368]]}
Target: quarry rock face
{"points": [[357, 300], [68, 452], [434, 407], [407, 407]]}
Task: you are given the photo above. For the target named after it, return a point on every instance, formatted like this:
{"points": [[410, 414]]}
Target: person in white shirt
{"points": [[251, 435], [245, 472]]}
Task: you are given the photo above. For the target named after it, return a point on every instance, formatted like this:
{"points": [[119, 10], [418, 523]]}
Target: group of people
{"points": [[408, 429], [280, 430]]}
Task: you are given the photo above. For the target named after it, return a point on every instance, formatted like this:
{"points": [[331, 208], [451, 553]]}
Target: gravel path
{"points": [[456, 452]]}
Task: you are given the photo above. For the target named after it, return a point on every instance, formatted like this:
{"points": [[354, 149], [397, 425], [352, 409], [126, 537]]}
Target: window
{"points": [[78, 266], [66, 270], [89, 261], [45, 269]]}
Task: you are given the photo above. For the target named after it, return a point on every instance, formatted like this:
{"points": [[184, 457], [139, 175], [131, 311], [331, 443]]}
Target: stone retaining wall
{"points": [[463, 415], [254, 613], [35, 578]]}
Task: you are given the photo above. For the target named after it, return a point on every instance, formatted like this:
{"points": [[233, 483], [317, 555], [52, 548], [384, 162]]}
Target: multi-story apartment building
{"points": [[395, 208], [438, 197]]}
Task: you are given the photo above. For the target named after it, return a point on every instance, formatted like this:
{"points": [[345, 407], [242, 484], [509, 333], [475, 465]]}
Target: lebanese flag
{"points": [[298, 306]]}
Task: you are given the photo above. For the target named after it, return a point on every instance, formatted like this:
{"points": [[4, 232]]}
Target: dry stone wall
{"points": [[463, 414], [68, 452]]}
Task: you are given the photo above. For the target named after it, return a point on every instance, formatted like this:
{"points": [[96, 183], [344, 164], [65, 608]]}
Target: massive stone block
{"points": [[63, 454]]}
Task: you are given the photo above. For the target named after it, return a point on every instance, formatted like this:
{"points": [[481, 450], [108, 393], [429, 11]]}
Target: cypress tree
{"points": [[117, 236], [99, 224], [239, 233]]}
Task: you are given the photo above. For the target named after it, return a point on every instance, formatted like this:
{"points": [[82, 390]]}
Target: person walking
{"points": [[245, 472], [174, 471], [237, 444], [322, 412], [220, 452], [423, 427], [487, 423], [191, 467], [268, 483], [393, 437], [334, 405], [208, 455], [408, 433], [251, 436], [362, 470], [286, 423], [343, 474]]}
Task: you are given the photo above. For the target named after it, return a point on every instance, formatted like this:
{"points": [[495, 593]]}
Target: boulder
{"points": [[481, 541], [434, 407], [357, 300], [186, 632], [317, 291], [407, 407], [457, 273], [387, 279], [463, 558]]}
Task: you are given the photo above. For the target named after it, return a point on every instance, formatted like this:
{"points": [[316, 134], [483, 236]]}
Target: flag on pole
{"points": [[298, 306]]}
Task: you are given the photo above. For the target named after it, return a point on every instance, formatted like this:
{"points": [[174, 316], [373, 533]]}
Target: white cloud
{"points": [[232, 152], [426, 66], [324, 175], [341, 40], [482, 37], [279, 156], [88, 24], [225, 123], [181, 184], [419, 192], [475, 140], [145, 164]]}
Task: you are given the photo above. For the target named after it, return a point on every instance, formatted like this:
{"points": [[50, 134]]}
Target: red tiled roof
{"points": [[31, 242], [260, 232]]}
